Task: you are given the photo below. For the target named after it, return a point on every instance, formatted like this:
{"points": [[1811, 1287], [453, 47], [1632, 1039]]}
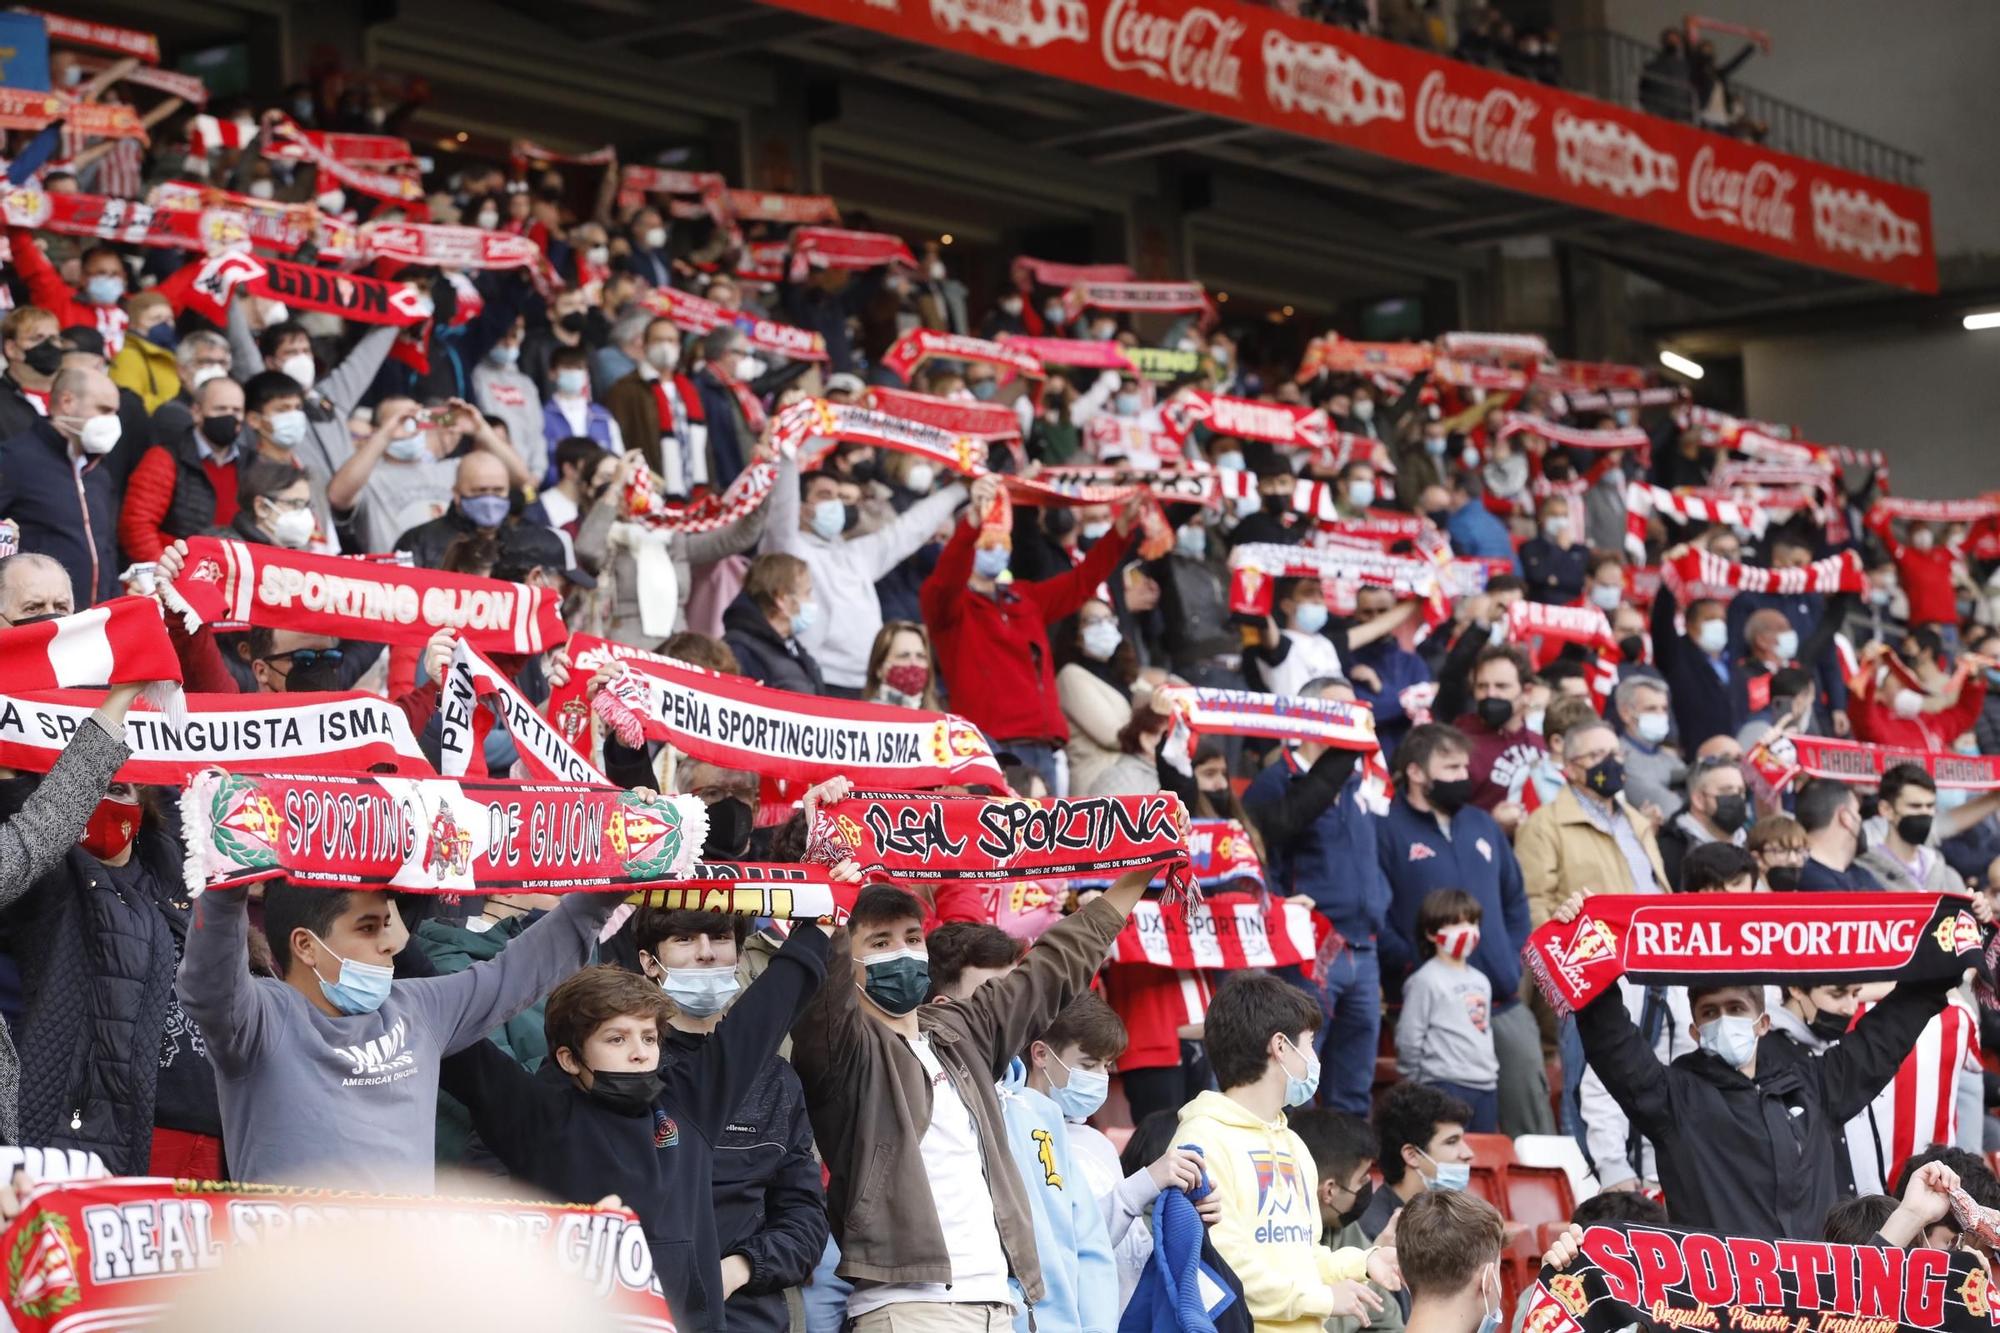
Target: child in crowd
{"points": [[1444, 1036]]}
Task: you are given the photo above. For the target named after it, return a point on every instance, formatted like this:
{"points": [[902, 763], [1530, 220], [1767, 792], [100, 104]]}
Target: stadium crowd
{"points": [[1543, 592]]}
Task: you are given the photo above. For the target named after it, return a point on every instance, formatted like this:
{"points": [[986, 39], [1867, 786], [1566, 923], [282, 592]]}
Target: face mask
{"points": [[263, 189], [1450, 1175], [506, 354], [805, 618], [655, 238], [292, 529], [829, 518], [1360, 494], [570, 383], [300, 368], [1783, 879], [1094, 530], [1053, 313], [1457, 941], [919, 478], [573, 322], [1435, 445], [221, 431], [110, 829], [1606, 777], [99, 435], [1299, 1088], [488, 220], [1449, 795], [331, 201], [750, 368], [160, 335], [1469, 456], [990, 562], [1231, 461], [1606, 596], [984, 390], [1787, 646], [1494, 712], [485, 511], [1950, 798], [1907, 703], [1492, 1320], [1828, 1026], [1732, 812], [318, 678], [1086, 1090], [598, 255], [1652, 727], [362, 986], [1101, 639], [1712, 637], [1879, 596], [1364, 409], [1362, 1198], [1127, 405], [1732, 1037], [44, 358], [1192, 542], [625, 1092], [700, 992], [1534, 720], [409, 448], [663, 357], [897, 980], [1309, 617], [104, 289], [1010, 306], [907, 679], [1632, 648], [1555, 529], [1914, 829]]}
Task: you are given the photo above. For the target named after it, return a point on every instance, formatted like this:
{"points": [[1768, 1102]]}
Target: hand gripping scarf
{"points": [[1211, 712], [970, 837], [273, 588], [1835, 574], [734, 722], [1657, 1278], [464, 723], [434, 835], [1800, 939], [116, 1254], [332, 733]]}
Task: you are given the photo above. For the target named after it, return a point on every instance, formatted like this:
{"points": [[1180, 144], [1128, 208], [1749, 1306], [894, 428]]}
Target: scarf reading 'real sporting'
{"points": [[433, 835], [971, 837], [274, 588], [1800, 939], [116, 1254]]}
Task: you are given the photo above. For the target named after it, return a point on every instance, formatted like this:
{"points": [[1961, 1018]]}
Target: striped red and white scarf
{"points": [[1643, 500], [919, 345], [117, 642], [1225, 931], [1835, 574], [1141, 297], [1213, 712], [1575, 437], [835, 247], [470, 682], [698, 315], [1049, 273]]}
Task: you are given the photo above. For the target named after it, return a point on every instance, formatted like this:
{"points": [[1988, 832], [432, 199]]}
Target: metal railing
{"points": [[1621, 69]]}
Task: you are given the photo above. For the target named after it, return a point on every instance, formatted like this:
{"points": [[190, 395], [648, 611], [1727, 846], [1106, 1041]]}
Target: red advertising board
{"points": [[1255, 65]]}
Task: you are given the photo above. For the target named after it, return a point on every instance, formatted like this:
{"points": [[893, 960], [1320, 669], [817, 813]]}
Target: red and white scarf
{"points": [[334, 733], [710, 513], [117, 642], [1333, 353], [431, 245], [471, 680], [434, 835], [1255, 565], [919, 345], [930, 838], [835, 247], [206, 286], [697, 315], [125, 220], [1835, 574], [1936, 511], [812, 427], [1783, 759], [1529, 349], [772, 206], [1167, 485], [273, 226], [1225, 932], [734, 722], [1049, 273], [1158, 298], [1212, 712], [1089, 353], [1643, 500], [983, 421], [1620, 437], [274, 588], [1586, 625], [1284, 424], [287, 142]]}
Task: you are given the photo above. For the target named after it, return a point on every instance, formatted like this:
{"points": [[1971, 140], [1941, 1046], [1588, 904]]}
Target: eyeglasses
{"points": [[308, 657], [290, 506]]}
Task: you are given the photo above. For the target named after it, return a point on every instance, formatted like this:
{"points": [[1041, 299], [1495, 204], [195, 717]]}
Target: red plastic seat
{"points": [[1548, 1233], [1538, 1195], [1489, 1184], [1495, 1151], [1519, 1263]]}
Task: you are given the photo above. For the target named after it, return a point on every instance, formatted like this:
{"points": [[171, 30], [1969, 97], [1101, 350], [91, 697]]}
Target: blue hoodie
{"points": [[1079, 1275]]}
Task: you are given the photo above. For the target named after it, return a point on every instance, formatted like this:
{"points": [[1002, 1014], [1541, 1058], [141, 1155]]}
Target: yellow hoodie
{"points": [[1270, 1226]]}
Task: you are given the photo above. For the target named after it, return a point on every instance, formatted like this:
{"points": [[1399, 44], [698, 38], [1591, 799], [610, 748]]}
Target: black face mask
{"points": [[1632, 648], [1495, 713], [1828, 1026], [1449, 795], [1362, 1198], [221, 431], [1440, 517], [1732, 812], [1060, 523], [1783, 879], [1914, 829], [319, 677], [627, 1093], [1606, 777], [34, 620], [730, 823], [573, 322], [1277, 505], [44, 358]]}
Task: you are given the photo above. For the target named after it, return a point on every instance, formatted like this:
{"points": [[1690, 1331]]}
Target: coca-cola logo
{"points": [[1195, 51], [1495, 128], [1757, 201], [1609, 156], [1023, 23], [1857, 223], [1324, 80]]}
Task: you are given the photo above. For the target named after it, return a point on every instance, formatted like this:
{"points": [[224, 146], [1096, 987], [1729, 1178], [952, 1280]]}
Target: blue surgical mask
{"points": [[700, 992], [1450, 1175], [990, 562], [1787, 646], [1435, 445], [1091, 532], [1126, 405], [897, 980], [362, 986], [288, 428], [1086, 1090], [506, 354], [1360, 494], [485, 511], [1230, 462], [1731, 1037], [985, 389], [805, 618], [829, 518], [1192, 542], [1491, 1323], [1309, 617], [571, 382], [104, 289], [1299, 1088]]}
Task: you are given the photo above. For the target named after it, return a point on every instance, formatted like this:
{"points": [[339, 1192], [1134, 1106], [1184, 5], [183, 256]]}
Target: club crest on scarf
{"points": [[245, 823], [448, 848], [647, 843], [1594, 945], [1959, 934], [41, 1269]]}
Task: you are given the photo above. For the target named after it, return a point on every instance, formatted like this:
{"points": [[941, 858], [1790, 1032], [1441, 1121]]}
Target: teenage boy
{"points": [[1422, 1147], [1259, 1033], [1453, 1242], [1743, 1129], [329, 1071], [905, 1111], [1343, 1152], [621, 1120], [770, 1212]]}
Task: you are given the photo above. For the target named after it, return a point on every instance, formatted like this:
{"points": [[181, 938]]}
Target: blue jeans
{"points": [[825, 1295], [1350, 1001], [1035, 754], [1569, 1049]]}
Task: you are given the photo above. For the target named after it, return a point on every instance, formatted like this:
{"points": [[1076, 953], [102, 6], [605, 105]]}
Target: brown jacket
{"points": [[1561, 852], [870, 1102], [631, 404]]}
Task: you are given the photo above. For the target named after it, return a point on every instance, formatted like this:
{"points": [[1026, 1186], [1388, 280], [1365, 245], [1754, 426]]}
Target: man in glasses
{"points": [[283, 660]]}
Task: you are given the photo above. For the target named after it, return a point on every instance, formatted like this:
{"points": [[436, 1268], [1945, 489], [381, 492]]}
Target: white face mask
{"points": [[663, 357], [655, 238], [262, 189], [1712, 637], [293, 529], [1907, 704], [300, 368], [489, 220], [919, 478], [203, 374], [98, 435], [1652, 727]]}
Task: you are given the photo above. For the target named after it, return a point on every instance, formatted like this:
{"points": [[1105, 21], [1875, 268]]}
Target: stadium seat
{"points": [[1490, 1184], [1519, 1263], [1495, 1151], [1537, 1195], [1548, 1233]]}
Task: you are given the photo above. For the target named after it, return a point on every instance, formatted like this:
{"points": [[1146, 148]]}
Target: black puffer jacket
{"points": [[97, 947], [764, 656]]}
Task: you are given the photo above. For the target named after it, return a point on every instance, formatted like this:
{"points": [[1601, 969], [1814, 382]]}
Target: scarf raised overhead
{"points": [[970, 837]]}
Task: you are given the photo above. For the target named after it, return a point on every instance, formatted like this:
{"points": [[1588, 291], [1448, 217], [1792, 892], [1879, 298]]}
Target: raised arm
{"points": [[710, 1086], [890, 546], [52, 819], [1631, 1073], [215, 985], [344, 386], [515, 1113], [1861, 1064]]}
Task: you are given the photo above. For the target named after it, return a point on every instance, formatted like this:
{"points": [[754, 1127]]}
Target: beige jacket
{"points": [[1561, 852]]}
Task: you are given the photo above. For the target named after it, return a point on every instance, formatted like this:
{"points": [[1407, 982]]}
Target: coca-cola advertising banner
{"points": [[1255, 65]]}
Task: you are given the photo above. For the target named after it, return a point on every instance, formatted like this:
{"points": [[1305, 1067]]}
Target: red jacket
{"points": [[1925, 575], [994, 651], [1879, 725], [47, 290]]}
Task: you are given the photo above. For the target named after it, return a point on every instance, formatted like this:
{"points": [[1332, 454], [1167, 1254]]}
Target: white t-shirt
{"points": [[953, 1162], [1311, 656]]}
